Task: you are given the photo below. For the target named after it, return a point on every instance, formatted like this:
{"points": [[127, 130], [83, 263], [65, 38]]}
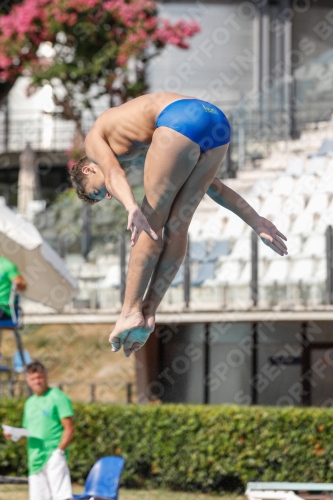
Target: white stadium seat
{"points": [[234, 228], [254, 201], [325, 183], [317, 204], [316, 165], [261, 187], [315, 246], [271, 206], [277, 272], [241, 249], [213, 228], [228, 272], [282, 222], [306, 184], [294, 204], [195, 229], [301, 270], [295, 167], [303, 224], [283, 186], [246, 274], [325, 220]]}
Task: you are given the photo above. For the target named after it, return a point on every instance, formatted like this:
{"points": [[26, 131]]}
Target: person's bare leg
{"points": [[175, 235], [170, 160]]}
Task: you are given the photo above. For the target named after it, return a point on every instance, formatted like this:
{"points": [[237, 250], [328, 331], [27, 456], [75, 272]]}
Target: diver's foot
{"points": [[138, 337], [125, 324]]}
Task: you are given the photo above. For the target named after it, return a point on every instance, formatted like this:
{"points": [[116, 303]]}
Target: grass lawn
{"points": [[13, 492]]}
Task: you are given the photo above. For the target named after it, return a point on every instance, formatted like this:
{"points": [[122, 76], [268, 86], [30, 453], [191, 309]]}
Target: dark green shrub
{"points": [[190, 448]]}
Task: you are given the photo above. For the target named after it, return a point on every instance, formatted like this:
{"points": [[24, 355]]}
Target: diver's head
{"points": [[88, 180]]}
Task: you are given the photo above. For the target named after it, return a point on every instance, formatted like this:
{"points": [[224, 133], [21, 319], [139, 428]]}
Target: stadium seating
{"points": [[306, 185], [228, 272], [272, 205], [235, 228], [278, 272], [241, 249], [292, 187], [303, 224], [301, 271], [295, 167], [220, 248], [284, 186], [316, 165], [326, 148], [315, 246], [205, 272], [294, 204], [317, 204], [198, 250]]}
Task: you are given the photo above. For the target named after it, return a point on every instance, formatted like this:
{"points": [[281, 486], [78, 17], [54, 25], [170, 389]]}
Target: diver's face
{"points": [[95, 182]]}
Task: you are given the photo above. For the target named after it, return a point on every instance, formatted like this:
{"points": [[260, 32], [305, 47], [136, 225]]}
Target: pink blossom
{"points": [[122, 59], [5, 62]]}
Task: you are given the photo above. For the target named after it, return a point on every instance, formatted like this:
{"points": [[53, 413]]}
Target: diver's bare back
{"points": [[128, 129]]}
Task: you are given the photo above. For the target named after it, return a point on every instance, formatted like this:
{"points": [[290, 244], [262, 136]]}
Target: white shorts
{"points": [[53, 482]]}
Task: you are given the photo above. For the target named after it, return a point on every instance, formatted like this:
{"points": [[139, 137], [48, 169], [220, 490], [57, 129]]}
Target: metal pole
{"points": [[264, 60], [254, 363], [187, 275], [129, 393], [85, 239], [293, 110], [61, 246], [329, 265], [207, 363], [122, 252], [92, 393], [254, 269], [306, 387], [287, 66]]}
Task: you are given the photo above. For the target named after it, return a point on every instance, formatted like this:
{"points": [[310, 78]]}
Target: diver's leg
{"points": [[170, 160], [175, 236]]}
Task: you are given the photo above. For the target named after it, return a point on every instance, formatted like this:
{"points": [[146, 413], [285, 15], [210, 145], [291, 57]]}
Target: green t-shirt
{"points": [[41, 417], [8, 271]]}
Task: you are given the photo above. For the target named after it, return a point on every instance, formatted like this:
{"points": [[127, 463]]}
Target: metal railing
{"points": [[90, 392]]}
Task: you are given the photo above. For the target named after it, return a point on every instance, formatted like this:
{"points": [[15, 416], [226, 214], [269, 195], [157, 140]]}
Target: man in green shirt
{"points": [[48, 416], [9, 278]]}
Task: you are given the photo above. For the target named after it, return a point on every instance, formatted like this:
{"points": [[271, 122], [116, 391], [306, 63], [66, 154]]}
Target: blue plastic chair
{"points": [[104, 479]]}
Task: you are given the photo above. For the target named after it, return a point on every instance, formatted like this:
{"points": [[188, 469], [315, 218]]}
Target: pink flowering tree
{"points": [[85, 48]]}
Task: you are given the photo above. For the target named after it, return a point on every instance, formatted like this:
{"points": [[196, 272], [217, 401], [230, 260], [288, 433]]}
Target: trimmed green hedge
{"points": [[208, 448]]}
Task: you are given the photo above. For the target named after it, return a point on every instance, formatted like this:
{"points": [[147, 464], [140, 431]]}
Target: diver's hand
{"points": [[137, 223], [270, 235]]}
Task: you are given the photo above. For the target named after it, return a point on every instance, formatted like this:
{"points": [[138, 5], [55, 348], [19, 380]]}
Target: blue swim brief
{"points": [[200, 121]]}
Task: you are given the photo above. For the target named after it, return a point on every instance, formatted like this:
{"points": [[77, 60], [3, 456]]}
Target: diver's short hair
{"points": [[79, 179]]}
